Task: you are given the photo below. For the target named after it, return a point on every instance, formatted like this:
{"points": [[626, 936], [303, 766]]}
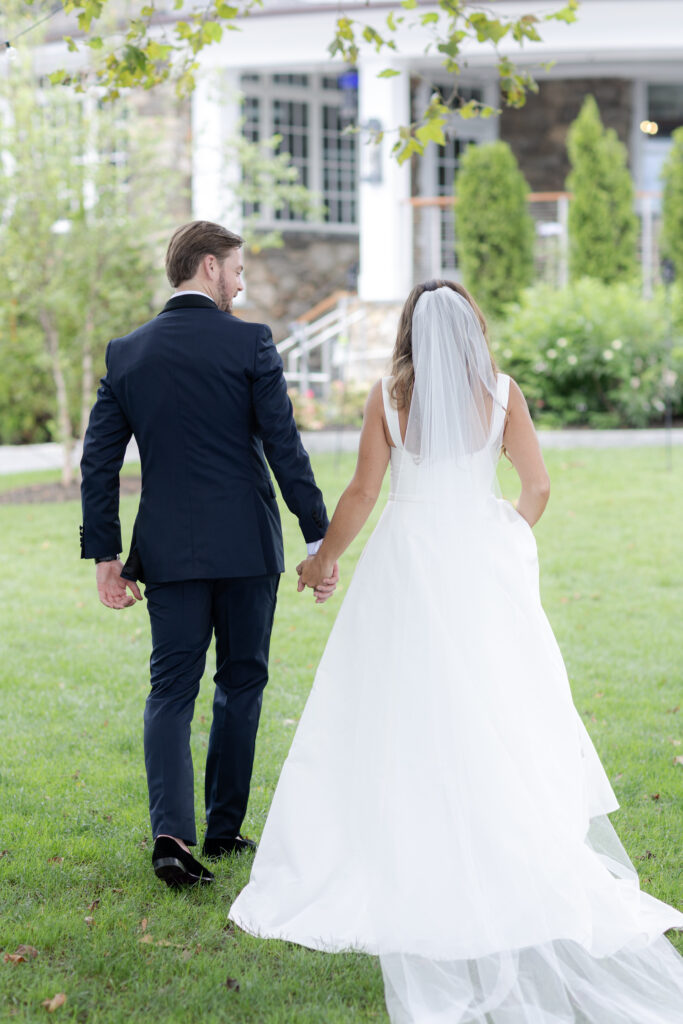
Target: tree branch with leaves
{"points": [[158, 45]]}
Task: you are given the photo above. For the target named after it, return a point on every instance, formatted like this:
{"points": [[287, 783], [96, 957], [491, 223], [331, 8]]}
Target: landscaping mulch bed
{"points": [[40, 493]]}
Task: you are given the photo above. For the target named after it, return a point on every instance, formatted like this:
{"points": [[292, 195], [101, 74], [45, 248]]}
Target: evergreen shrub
{"points": [[603, 226], [494, 230], [671, 238]]}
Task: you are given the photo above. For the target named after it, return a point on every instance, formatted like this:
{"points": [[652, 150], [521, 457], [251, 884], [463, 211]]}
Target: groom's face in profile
{"points": [[229, 282]]}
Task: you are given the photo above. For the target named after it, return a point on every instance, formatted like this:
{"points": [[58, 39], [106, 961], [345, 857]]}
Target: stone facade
{"points": [[537, 132], [282, 284], [371, 342]]}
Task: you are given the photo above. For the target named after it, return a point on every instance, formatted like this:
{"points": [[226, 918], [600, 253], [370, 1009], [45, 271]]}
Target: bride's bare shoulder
{"points": [[375, 412], [375, 399], [516, 397]]}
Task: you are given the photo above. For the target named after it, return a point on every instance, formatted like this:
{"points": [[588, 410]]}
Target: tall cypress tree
{"points": [[671, 239], [493, 227], [603, 226]]}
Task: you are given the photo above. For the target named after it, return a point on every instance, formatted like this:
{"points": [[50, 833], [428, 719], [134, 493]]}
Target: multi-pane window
{"points": [[338, 168], [440, 165], [251, 113], [291, 121], [447, 164], [311, 113]]}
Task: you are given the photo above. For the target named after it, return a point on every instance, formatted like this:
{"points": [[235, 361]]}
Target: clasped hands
{"points": [[113, 588], [321, 576]]}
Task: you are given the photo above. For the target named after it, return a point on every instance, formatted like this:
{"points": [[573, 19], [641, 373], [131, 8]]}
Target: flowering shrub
{"points": [[592, 354], [308, 413], [346, 404], [344, 408]]}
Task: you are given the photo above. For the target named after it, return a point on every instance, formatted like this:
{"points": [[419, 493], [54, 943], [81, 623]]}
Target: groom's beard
{"points": [[224, 299]]}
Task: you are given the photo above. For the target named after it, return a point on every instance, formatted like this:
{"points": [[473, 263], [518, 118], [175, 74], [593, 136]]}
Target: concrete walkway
{"points": [[28, 457]]}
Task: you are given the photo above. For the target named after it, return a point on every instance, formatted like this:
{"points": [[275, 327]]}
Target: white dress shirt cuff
{"points": [[313, 546]]}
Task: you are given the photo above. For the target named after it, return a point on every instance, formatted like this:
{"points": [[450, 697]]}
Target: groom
{"points": [[205, 397]]}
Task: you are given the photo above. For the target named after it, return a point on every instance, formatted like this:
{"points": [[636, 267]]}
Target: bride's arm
{"points": [[359, 498], [524, 452]]}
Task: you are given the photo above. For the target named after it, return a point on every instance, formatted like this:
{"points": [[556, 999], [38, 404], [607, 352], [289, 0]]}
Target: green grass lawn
{"points": [[75, 872]]}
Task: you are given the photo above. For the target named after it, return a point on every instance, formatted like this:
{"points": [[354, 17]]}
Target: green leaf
{"points": [[431, 18], [388, 73], [226, 11], [486, 28], [568, 13], [95, 42], [411, 146], [469, 110], [212, 32], [70, 44], [432, 131], [157, 51]]}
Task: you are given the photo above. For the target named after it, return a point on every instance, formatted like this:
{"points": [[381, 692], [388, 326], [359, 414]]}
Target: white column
{"points": [[216, 118], [385, 216]]}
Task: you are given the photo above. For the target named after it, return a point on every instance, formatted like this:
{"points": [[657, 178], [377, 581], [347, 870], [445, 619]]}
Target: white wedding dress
{"points": [[442, 805]]}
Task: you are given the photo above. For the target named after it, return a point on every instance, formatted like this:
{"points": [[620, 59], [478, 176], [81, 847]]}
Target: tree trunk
{"points": [[64, 428], [87, 376]]}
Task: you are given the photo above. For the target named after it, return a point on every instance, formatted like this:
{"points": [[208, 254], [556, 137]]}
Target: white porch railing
{"points": [[434, 232], [319, 342]]}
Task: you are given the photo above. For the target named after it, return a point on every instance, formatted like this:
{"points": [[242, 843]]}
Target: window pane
{"points": [[447, 164], [665, 107], [251, 112], [339, 168], [299, 80], [291, 120]]}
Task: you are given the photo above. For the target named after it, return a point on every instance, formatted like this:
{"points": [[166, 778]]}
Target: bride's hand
{"points": [[321, 576]]}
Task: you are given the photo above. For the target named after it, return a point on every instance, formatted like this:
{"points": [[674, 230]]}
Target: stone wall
{"points": [[537, 132], [282, 284], [371, 342]]}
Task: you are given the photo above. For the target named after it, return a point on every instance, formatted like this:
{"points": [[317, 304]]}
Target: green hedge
{"points": [[592, 354]]}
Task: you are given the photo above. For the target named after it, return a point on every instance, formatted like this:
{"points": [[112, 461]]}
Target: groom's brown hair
{"points": [[192, 242]]}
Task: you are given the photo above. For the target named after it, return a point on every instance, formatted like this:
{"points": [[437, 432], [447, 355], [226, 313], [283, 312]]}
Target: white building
{"points": [[275, 72], [629, 54]]}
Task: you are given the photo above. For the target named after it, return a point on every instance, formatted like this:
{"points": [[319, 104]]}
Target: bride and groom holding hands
{"points": [[442, 805]]}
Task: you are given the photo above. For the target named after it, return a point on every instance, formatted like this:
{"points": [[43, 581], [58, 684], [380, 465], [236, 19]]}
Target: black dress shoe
{"points": [[225, 845], [176, 867]]}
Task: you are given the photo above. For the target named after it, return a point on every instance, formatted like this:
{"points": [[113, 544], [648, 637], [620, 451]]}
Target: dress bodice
{"points": [[481, 463]]}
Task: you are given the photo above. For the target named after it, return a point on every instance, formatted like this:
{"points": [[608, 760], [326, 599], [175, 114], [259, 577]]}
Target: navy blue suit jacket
{"points": [[205, 396]]}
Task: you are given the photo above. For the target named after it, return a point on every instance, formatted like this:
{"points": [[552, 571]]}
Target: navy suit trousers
{"points": [[184, 616]]}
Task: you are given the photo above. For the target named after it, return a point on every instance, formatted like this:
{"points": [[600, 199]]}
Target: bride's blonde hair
{"points": [[402, 359]]}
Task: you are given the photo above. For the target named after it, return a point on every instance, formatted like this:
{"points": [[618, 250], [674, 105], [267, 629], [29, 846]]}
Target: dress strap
{"points": [[391, 413], [501, 405]]}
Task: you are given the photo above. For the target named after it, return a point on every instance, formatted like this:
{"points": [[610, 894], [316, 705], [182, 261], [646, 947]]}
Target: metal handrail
{"points": [[309, 334]]}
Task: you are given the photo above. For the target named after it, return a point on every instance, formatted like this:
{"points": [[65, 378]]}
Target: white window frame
{"points": [[477, 130], [313, 94]]}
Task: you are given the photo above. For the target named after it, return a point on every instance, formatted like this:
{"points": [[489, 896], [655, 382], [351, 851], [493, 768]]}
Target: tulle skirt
{"points": [[443, 807]]}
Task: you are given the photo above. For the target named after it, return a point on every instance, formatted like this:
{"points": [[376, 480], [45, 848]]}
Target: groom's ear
{"points": [[211, 266]]}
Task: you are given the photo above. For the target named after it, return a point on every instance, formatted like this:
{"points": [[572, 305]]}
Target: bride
{"points": [[442, 805]]}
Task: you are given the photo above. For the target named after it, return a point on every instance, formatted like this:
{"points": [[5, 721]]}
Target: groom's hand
{"points": [[111, 586], [323, 579]]}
